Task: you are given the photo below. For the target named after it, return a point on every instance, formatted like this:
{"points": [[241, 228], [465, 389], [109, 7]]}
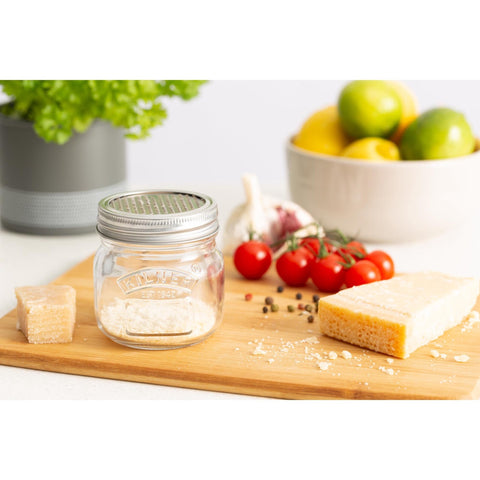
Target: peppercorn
{"points": [[298, 296], [291, 308], [265, 309], [308, 308], [268, 300], [310, 319], [248, 297], [280, 289], [316, 298], [274, 307], [301, 306]]}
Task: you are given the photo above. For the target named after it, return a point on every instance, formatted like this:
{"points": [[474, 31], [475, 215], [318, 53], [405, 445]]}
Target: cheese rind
{"points": [[46, 314], [398, 316]]}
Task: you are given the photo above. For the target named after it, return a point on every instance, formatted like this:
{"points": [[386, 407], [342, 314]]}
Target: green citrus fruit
{"points": [[369, 108], [437, 133]]}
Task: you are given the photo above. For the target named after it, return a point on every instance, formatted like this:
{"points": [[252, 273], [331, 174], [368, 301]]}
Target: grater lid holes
{"points": [[161, 216]]}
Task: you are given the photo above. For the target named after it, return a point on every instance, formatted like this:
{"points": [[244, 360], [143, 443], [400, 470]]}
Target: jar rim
{"points": [[157, 217]]}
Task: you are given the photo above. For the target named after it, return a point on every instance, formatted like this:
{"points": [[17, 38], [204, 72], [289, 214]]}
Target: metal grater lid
{"points": [[157, 217]]}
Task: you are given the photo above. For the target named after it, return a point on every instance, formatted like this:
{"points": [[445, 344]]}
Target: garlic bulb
{"points": [[270, 219]]}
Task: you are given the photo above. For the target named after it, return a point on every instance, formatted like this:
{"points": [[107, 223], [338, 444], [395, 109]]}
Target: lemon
{"points": [[369, 108], [322, 133], [372, 148], [409, 109]]}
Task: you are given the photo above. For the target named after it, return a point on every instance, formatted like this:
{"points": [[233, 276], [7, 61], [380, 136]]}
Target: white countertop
{"points": [[36, 260]]}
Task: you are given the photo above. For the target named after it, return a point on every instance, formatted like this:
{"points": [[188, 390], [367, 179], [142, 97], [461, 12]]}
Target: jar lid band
{"points": [[157, 217]]}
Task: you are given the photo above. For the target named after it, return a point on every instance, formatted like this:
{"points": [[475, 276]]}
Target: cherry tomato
{"points": [[328, 273], [252, 259], [384, 263], [362, 272], [293, 267], [330, 248], [356, 249], [312, 245], [311, 256]]}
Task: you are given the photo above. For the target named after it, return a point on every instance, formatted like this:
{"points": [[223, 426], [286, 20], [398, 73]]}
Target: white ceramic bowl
{"points": [[385, 201]]}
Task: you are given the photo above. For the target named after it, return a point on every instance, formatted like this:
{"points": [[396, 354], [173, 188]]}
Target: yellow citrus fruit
{"points": [[372, 148], [322, 133], [409, 109]]}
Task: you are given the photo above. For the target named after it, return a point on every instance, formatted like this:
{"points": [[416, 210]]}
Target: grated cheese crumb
{"points": [[474, 316], [443, 355], [388, 371], [332, 355], [323, 365], [259, 350], [434, 353], [346, 355], [310, 340], [270, 360], [462, 358], [390, 360], [471, 320]]}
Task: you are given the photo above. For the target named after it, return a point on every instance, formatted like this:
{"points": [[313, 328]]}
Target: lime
{"points": [[369, 108], [437, 133], [372, 149], [322, 133]]}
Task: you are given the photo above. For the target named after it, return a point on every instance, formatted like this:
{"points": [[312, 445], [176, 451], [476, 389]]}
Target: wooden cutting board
{"points": [[274, 355]]}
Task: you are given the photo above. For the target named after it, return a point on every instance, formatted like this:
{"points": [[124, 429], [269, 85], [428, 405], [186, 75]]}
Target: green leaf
{"points": [[57, 108]]}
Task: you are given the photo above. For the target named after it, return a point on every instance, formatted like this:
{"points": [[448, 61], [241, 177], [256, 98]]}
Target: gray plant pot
{"points": [[54, 189]]}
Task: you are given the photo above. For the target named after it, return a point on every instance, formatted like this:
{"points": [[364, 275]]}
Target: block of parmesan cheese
{"points": [[398, 316], [46, 314]]}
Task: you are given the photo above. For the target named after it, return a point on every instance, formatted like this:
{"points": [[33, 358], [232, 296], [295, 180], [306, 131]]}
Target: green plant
{"points": [[57, 108]]}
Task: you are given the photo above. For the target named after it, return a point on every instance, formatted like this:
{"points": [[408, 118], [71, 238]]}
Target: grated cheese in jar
{"points": [[157, 322]]}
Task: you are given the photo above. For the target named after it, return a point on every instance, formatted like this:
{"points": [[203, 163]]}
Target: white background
{"points": [[252, 39], [238, 126]]}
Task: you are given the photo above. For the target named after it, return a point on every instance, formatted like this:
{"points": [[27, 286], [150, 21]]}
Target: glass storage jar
{"points": [[159, 278]]}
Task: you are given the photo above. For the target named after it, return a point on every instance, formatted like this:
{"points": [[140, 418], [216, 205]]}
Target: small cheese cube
{"points": [[398, 316], [46, 314]]}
